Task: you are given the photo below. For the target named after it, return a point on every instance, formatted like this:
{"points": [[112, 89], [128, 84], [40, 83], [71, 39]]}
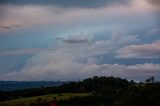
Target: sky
{"points": [[75, 39]]}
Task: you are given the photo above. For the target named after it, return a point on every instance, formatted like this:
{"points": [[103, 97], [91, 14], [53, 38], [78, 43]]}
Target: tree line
{"points": [[106, 91]]}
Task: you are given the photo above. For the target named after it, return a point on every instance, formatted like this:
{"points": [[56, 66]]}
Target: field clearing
{"points": [[48, 98]]}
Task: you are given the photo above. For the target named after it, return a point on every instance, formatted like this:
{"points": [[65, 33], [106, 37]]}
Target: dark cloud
{"points": [[9, 27], [66, 3], [59, 38], [154, 2], [76, 41], [5, 27]]}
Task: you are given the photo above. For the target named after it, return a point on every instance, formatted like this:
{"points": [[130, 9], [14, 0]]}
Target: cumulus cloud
{"points": [[70, 59], [117, 40], [151, 50], [65, 69], [74, 62]]}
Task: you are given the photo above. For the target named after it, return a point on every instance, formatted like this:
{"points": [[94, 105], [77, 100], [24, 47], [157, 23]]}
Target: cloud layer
{"points": [[155, 2], [58, 69], [108, 16], [71, 62], [140, 51], [72, 39], [68, 3]]}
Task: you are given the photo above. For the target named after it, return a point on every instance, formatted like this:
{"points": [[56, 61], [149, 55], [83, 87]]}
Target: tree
{"points": [[152, 78], [147, 80]]}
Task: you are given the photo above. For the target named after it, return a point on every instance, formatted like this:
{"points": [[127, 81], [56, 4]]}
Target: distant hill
{"points": [[18, 85]]}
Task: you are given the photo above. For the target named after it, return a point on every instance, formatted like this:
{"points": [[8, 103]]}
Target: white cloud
{"points": [[72, 62], [64, 68], [117, 40], [151, 50]]}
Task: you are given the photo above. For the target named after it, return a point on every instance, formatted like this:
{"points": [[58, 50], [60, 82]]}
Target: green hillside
{"points": [[46, 98]]}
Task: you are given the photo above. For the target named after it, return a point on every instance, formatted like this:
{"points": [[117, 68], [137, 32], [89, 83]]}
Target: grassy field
{"points": [[48, 98]]}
